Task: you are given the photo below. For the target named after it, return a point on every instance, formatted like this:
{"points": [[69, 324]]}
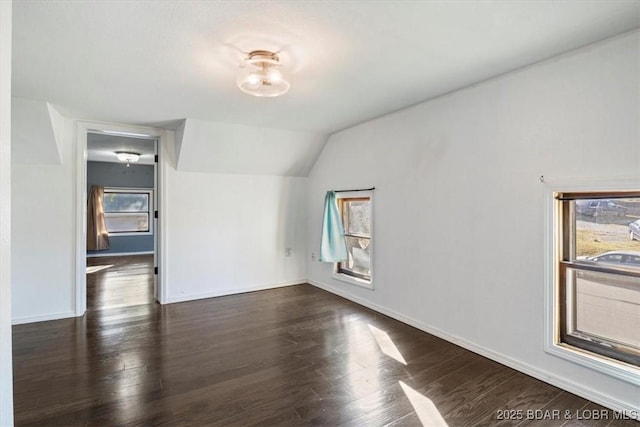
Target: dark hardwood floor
{"points": [[288, 356], [128, 281]]}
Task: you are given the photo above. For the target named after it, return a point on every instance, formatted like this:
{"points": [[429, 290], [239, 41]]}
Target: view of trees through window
{"points": [[356, 215], [126, 202], [126, 212]]}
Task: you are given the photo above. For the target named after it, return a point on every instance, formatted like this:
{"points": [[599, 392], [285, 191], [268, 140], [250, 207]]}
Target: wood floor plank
{"points": [[491, 402], [556, 411], [531, 399], [590, 415], [283, 357]]}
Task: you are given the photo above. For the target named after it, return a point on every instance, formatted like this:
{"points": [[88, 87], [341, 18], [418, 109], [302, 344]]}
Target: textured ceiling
{"points": [[141, 62]]}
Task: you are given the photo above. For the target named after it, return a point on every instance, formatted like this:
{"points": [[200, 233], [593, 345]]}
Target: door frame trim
{"points": [[81, 130]]}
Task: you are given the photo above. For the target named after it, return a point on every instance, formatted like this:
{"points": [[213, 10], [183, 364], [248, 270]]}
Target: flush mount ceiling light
{"points": [[259, 75], [127, 156]]}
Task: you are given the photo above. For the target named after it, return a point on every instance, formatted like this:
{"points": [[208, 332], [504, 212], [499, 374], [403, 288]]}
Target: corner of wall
{"points": [[6, 374], [178, 138], [57, 126]]}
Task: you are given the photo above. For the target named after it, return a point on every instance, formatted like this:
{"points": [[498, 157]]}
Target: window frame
{"points": [[346, 275], [150, 211], [555, 237]]}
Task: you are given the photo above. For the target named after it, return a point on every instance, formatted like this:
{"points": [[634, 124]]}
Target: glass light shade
{"points": [[260, 75], [128, 157]]}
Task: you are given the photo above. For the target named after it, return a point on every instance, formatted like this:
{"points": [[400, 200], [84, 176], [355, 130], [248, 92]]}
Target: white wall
{"points": [[228, 233], [459, 209], [205, 146], [43, 228], [6, 377], [36, 132], [225, 233]]}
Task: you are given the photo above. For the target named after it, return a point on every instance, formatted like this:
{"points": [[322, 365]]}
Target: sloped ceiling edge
{"points": [[204, 146], [36, 132]]}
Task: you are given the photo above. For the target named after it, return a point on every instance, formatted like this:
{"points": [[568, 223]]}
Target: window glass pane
{"points": [[359, 260], [357, 217], [605, 307], [126, 222], [608, 230], [600, 311], [126, 202]]}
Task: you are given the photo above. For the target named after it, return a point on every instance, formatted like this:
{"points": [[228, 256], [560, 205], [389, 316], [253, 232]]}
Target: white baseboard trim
{"points": [[42, 318], [525, 368], [232, 291], [119, 254]]}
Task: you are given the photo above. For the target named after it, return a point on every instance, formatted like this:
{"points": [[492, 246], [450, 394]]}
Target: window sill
{"points": [[601, 364], [133, 233], [353, 280]]}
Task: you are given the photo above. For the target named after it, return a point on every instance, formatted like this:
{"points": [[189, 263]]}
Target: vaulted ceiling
{"points": [[140, 62]]}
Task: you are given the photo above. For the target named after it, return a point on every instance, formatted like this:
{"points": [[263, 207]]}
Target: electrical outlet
{"points": [[287, 252], [313, 256]]}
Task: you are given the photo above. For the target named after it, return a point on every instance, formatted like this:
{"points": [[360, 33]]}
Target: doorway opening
{"points": [[118, 227], [121, 184]]}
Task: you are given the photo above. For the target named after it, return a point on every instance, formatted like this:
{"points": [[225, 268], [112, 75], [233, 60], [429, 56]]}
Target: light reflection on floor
{"points": [[424, 407], [386, 344], [119, 281], [96, 268]]}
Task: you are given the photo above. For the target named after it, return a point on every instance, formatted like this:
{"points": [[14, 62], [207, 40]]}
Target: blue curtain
{"points": [[333, 247]]}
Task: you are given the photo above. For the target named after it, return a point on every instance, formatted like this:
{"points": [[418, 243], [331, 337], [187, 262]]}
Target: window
{"points": [[128, 211], [598, 275], [356, 218]]}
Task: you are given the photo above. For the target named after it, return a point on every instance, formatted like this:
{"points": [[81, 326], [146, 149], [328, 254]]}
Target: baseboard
{"points": [[43, 318], [119, 254], [532, 371], [232, 291]]}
